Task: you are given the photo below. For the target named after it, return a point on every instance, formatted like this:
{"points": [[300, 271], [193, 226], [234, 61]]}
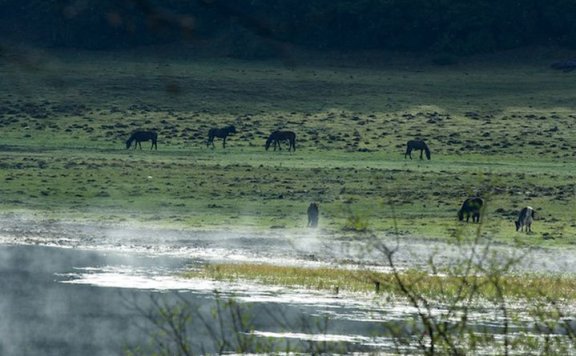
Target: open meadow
{"points": [[390, 267], [502, 127]]}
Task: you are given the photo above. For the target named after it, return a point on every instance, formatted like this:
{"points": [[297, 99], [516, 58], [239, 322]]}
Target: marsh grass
{"points": [[522, 286]]}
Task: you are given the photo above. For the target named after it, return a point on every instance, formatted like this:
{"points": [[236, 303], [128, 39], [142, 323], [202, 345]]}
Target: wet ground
{"points": [[83, 288], [279, 246]]}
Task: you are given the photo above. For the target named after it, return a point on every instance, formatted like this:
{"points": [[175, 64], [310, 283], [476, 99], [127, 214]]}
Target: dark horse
{"points": [[471, 207], [277, 136], [220, 133], [140, 136], [417, 145], [313, 215]]}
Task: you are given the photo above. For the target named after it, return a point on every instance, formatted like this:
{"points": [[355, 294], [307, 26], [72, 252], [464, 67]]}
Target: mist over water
{"points": [[69, 301], [74, 288], [314, 247]]}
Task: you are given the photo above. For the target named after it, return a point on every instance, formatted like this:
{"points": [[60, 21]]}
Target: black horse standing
{"points": [[277, 136], [471, 207], [140, 136], [220, 133], [417, 145], [313, 215]]}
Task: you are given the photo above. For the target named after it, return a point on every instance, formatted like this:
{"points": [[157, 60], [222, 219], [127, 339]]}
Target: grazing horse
{"points": [[220, 133], [140, 136], [277, 136], [313, 215], [471, 207], [417, 145], [525, 218]]}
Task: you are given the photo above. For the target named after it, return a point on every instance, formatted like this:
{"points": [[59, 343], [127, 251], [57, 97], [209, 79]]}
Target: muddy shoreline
{"points": [[311, 247]]}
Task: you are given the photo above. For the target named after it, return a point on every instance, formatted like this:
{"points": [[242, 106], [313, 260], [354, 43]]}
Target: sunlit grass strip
{"points": [[331, 279]]}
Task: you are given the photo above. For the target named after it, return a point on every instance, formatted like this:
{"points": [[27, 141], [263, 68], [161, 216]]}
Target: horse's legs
{"points": [[224, 142], [421, 152], [408, 153]]}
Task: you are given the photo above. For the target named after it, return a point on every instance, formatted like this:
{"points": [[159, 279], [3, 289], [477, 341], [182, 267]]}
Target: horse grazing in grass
{"points": [[525, 218], [220, 133], [277, 136], [471, 207], [140, 136], [313, 214], [417, 145]]}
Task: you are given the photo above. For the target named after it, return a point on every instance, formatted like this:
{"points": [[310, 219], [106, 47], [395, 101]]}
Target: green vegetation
{"points": [[501, 130], [362, 281]]}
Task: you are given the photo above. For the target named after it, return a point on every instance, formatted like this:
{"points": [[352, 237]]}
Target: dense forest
{"points": [[442, 26]]}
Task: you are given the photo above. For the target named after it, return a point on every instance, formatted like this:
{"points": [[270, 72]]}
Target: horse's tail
{"points": [[427, 151]]}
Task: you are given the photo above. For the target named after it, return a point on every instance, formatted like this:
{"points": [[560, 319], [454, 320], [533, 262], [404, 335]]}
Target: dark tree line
{"points": [[446, 26]]}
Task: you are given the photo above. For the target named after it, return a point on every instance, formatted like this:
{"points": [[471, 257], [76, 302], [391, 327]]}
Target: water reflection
{"points": [[69, 301], [361, 321]]}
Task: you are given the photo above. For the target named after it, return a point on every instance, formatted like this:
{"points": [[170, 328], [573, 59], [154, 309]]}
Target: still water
{"points": [[91, 300], [67, 301]]}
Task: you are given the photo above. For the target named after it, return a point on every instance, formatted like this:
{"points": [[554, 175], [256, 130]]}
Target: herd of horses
{"points": [[275, 138], [471, 207]]}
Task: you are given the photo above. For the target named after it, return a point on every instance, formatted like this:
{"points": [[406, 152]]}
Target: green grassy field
{"points": [[502, 127]]}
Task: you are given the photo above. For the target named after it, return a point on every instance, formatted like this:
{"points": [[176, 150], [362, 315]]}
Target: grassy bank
{"points": [[529, 286], [502, 130]]}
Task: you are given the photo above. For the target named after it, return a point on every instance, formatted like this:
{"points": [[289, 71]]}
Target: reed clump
{"points": [[365, 281]]}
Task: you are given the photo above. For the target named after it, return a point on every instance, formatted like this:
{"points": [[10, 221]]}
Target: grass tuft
{"points": [[529, 286]]}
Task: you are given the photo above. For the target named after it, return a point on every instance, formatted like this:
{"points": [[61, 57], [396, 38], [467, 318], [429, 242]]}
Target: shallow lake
{"points": [[64, 301], [80, 290]]}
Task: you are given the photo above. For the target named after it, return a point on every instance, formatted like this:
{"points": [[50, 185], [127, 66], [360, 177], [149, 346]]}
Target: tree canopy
{"points": [[449, 26]]}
